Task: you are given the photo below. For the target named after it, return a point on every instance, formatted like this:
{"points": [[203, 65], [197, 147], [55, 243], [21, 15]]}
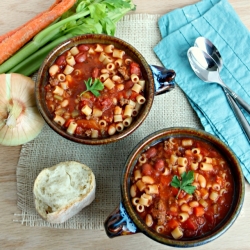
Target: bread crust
{"points": [[74, 206]]}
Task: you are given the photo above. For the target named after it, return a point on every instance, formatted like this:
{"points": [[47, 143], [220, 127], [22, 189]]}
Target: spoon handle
{"points": [[239, 115], [237, 98]]}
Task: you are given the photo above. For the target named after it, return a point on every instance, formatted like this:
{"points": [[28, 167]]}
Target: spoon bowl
{"points": [[208, 47]]}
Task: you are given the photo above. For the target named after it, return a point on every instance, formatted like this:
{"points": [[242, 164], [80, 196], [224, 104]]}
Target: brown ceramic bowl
{"points": [[125, 220], [158, 80]]}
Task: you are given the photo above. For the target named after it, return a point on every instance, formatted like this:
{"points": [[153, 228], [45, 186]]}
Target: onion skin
{"points": [[20, 120]]}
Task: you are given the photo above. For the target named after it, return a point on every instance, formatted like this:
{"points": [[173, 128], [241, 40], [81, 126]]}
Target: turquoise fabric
{"points": [[217, 21]]}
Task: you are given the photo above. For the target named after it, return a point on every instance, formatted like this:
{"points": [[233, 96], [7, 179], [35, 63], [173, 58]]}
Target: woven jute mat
{"points": [[106, 161]]}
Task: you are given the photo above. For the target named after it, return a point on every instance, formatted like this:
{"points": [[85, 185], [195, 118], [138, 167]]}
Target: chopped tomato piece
{"points": [[173, 223], [88, 124], [166, 179], [199, 211], [135, 69], [68, 122], [190, 224]]}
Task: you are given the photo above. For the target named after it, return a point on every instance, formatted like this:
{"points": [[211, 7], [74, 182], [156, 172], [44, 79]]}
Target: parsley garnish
{"points": [[185, 183], [93, 87]]}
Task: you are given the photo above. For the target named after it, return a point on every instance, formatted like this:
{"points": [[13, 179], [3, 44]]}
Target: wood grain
{"points": [[17, 236]]}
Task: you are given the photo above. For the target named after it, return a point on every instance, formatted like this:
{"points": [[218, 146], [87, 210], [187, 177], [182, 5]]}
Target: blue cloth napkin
{"points": [[217, 21]]}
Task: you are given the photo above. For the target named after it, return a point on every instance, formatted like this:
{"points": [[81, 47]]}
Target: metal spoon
{"points": [[198, 65], [211, 73]]}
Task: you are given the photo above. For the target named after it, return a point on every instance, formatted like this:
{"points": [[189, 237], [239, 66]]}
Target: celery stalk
{"points": [[87, 16]]}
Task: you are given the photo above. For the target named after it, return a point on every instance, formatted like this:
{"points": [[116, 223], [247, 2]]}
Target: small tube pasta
{"points": [[145, 200], [98, 48], [68, 70], [110, 66], [187, 142], [135, 79], [102, 56], [102, 123], [64, 103], [58, 91], [214, 196], [137, 175], [152, 189], [135, 201], [86, 110], [206, 166], [182, 161], [74, 50], [128, 61], [58, 119], [136, 109], [118, 118], [148, 179], [109, 83], [186, 208], [195, 150], [104, 77], [61, 77], [127, 121], [71, 128], [128, 111], [141, 185], [118, 53], [94, 133], [64, 85], [183, 217], [142, 159], [70, 60], [118, 63], [140, 99], [177, 233], [208, 159], [137, 88], [118, 110], [97, 112], [159, 229], [140, 208], [119, 127], [109, 48]]}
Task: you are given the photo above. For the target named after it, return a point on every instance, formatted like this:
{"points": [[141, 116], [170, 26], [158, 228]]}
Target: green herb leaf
{"points": [[185, 183], [93, 87]]}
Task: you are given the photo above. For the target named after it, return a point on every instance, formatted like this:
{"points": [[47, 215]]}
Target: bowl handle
{"points": [[164, 79], [119, 223]]}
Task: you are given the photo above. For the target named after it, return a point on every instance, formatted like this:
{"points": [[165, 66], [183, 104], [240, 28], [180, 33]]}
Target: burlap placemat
{"points": [[106, 161]]}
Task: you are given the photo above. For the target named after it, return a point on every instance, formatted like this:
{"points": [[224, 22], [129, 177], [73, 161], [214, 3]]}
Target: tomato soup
{"points": [[94, 90], [181, 187]]}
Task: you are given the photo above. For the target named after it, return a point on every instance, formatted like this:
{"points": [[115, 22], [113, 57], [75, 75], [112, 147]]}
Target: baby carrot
{"points": [[19, 38]]}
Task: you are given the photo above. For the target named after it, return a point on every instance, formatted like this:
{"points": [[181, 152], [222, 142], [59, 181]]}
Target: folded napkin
{"points": [[217, 21]]}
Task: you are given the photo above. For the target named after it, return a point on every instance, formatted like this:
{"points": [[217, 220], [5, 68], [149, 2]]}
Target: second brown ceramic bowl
{"points": [[125, 219], [156, 81]]}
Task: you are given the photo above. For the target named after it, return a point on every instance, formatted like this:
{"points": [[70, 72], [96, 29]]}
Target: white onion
{"points": [[20, 120]]}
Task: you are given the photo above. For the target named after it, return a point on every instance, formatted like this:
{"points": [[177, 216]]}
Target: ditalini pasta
{"points": [[95, 116], [169, 210]]}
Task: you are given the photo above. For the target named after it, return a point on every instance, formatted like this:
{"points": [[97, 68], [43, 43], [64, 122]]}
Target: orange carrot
{"points": [[20, 37], [11, 32]]}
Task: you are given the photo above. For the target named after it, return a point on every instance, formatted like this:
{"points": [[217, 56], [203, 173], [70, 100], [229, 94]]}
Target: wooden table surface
{"points": [[16, 236]]}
